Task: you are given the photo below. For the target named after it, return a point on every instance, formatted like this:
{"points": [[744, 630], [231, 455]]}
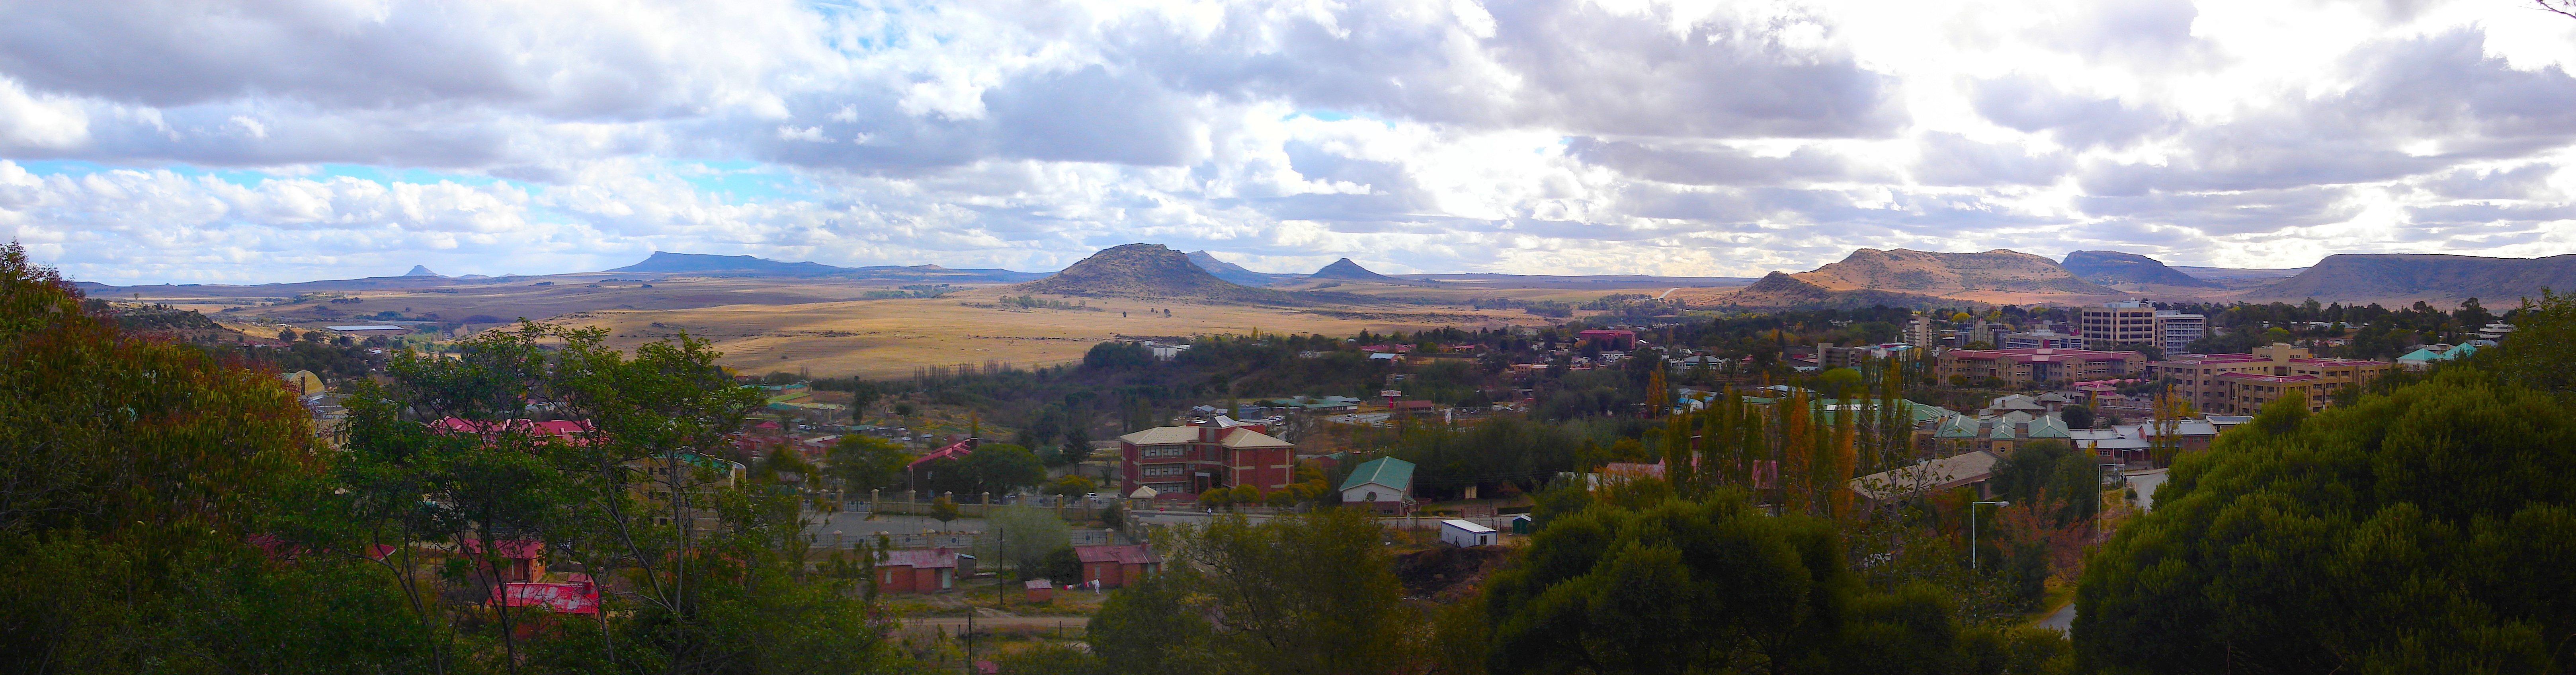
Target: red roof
{"points": [[921, 558], [957, 449], [559, 428], [1411, 405], [2039, 355], [1124, 554], [2266, 378]]}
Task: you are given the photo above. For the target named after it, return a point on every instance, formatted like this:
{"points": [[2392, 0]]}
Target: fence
{"points": [[956, 540]]}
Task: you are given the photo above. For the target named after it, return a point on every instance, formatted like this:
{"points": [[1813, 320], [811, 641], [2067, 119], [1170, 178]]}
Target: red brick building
{"points": [[917, 571], [1613, 340], [1181, 462], [2240, 384], [1119, 565]]}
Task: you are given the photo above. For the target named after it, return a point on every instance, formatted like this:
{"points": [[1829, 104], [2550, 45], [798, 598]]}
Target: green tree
{"points": [[2078, 416], [139, 482], [867, 463], [1670, 587], [1302, 593], [1835, 382], [943, 510], [1077, 444], [1001, 468], [1024, 535], [2424, 530]]}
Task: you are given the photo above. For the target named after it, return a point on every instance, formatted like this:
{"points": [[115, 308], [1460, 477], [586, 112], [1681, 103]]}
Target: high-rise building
{"points": [[1920, 333], [2175, 331], [2127, 322]]}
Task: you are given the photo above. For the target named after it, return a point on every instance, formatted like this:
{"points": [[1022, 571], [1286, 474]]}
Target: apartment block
{"points": [[2240, 384], [2023, 366]]}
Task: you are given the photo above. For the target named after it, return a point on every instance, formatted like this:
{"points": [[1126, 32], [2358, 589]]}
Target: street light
{"points": [[1972, 530]]}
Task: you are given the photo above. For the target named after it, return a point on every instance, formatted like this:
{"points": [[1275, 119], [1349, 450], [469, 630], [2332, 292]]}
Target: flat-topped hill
{"points": [[2380, 277], [2115, 267]]}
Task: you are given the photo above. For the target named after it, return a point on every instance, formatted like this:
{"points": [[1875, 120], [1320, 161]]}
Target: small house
{"points": [[1112, 566], [1384, 484], [917, 571], [1038, 590], [1462, 533]]}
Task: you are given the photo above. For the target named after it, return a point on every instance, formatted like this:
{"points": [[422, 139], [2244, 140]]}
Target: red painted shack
{"points": [[917, 571], [1117, 565]]}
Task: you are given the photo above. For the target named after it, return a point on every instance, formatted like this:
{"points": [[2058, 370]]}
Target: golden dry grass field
{"points": [[892, 337]]}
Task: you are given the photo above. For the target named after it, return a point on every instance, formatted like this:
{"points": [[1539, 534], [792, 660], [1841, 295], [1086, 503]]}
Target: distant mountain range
{"points": [[1236, 273], [1898, 277], [1917, 278], [2227, 273], [2407, 277], [696, 264], [2114, 267]]}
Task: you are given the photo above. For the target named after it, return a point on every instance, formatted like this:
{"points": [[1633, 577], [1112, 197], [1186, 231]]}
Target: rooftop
{"points": [[920, 558], [2043, 355], [1387, 471], [1124, 554]]}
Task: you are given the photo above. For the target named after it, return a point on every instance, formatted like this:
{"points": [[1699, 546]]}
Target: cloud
{"points": [[1952, 159], [272, 141]]}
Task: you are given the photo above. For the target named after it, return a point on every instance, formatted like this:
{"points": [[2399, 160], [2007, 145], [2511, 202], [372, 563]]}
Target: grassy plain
{"points": [[890, 337]]}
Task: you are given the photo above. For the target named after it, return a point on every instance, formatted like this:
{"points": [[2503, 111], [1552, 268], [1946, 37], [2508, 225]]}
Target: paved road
{"points": [[2146, 483], [2063, 621]]}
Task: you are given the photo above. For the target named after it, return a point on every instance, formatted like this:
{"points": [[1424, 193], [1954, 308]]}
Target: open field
{"points": [[888, 338]]}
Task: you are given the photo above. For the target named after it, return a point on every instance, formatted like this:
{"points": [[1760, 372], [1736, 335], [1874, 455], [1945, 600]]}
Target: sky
{"points": [[174, 141]]}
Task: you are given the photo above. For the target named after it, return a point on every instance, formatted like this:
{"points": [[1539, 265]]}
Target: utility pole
{"points": [[1972, 530], [2097, 505]]}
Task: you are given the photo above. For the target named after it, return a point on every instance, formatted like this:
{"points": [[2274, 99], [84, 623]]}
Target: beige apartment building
{"points": [[2239, 384]]}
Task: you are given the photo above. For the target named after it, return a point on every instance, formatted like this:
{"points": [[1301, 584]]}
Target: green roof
{"points": [[1387, 471], [2048, 427], [2003, 430], [1958, 427]]}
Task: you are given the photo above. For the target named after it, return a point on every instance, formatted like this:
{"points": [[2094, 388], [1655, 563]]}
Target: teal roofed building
{"points": [[2425, 356], [1384, 484]]}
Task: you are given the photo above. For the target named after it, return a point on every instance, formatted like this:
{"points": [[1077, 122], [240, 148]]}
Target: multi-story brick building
{"points": [[2023, 366], [1181, 462], [2239, 384]]}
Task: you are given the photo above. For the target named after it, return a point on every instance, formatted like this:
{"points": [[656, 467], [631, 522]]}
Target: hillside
{"points": [[1782, 289], [1138, 270], [2231, 273], [1951, 274], [1235, 273], [665, 262], [1345, 270], [421, 271], [2114, 267], [2407, 277]]}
